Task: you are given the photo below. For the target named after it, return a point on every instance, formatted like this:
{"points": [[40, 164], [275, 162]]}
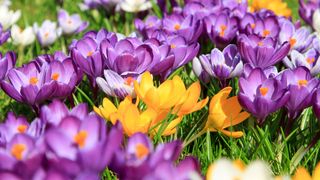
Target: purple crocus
{"points": [[47, 33], [71, 24], [261, 52], [86, 54], [151, 24], [199, 71], [301, 87], [299, 39], [187, 27], [33, 83], [140, 161], [7, 62], [129, 57], [4, 35], [316, 103], [261, 95], [307, 8], [310, 60], [223, 65], [221, 29], [262, 27]]}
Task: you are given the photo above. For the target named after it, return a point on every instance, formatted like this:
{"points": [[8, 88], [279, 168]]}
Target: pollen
{"points": [[33, 80], [89, 53], [292, 42], [310, 60], [265, 33], [222, 30], [302, 82], [55, 76], [17, 150], [263, 91], [80, 138], [177, 27], [22, 128], [141, 150], [172, 46], [129, 81]]}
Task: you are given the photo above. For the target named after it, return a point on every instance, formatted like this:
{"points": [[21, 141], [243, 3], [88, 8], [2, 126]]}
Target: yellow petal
{"points": [[316, 173], [239, 119], [171, 128], [130, 118], [152, 98], [108, 108], [231, 106], [165, 90], [219, 98], [97, 110], [145, 84], [234, 134], [301, 174]]}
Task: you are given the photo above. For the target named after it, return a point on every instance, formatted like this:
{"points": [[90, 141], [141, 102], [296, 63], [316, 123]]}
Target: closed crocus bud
{"points": [[135, 5], [8, 17], [71, 24], [22, 37], [199, 71], [47, 33]]}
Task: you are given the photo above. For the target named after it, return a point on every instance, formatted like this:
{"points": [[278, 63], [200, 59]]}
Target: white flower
{"points": [[316, 20], [22, 37], [135, 5], [8, 17], [47, 33], [228, 170], [5, 2]]}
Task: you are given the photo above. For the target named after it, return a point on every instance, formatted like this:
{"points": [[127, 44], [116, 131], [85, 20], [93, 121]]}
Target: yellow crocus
{"points": [[302, 174], [133, 120], [225, 112], [166, 96], [277, 6]]}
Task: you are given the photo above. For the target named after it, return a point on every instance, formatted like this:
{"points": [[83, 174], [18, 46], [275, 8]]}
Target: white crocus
{"points": [[135, 5], [5, 2], [47, 33], [22, 37], [316, 21], [8, 17], [228, 170]]}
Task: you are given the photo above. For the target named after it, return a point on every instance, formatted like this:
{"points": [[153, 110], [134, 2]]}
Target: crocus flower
{"points": [[262, 27], [199, 71], [135, 5], [7, 62], [261, 95], [8, 17], [228, 170], [302, 173], [33, 84], [223, 65], [4, 35], [306, 10], [47, 33], [315, 21], [130, 57], [225, 112], [87, 56], [140, 160], [316, 103], [150, 24], [187, 27], [279, 7], [310, 60], [115, 85], [13, 125], [71, 24], [261, 52], [301, 87], [221, 28], [22, 37], [299, 39]]}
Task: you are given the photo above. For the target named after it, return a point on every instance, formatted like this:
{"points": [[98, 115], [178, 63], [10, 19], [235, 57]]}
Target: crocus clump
{"points": [[60, 143]]}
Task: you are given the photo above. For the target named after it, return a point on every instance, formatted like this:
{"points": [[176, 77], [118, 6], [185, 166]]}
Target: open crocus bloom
{"points": [[302, 173], [135, 5], [8, 17], [47, 33], [22, 37], [228, 170], [7, 62], [71, 24], [225, 112]]}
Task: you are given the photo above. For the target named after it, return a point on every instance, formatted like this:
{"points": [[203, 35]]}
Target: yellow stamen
{"points": [[292, 42], [263, 91], [173, 46], [89, 53], [22, 128], [260, 43], [177, 27], [55, 76], [141, 150], [222, 30], [46, 35], [33, 80], [302, 82], [80, 138], [265, 33], [310, 60], [253, 25], [17, 150]]}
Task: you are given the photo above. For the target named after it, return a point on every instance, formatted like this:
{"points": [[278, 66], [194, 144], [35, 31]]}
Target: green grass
{"points": [[267, 142]]}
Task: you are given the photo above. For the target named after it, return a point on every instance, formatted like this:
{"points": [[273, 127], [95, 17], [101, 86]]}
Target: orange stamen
{"points": [[55, 76], [222, 30], [80, 138], [263, 91], [129, 81], [17, 150], [33, 80], [292, 42], [253, 25], [89, 53], [302, 82], [141, 150], [22, 128], [265, 33], [310, 60], [177, 27]]}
